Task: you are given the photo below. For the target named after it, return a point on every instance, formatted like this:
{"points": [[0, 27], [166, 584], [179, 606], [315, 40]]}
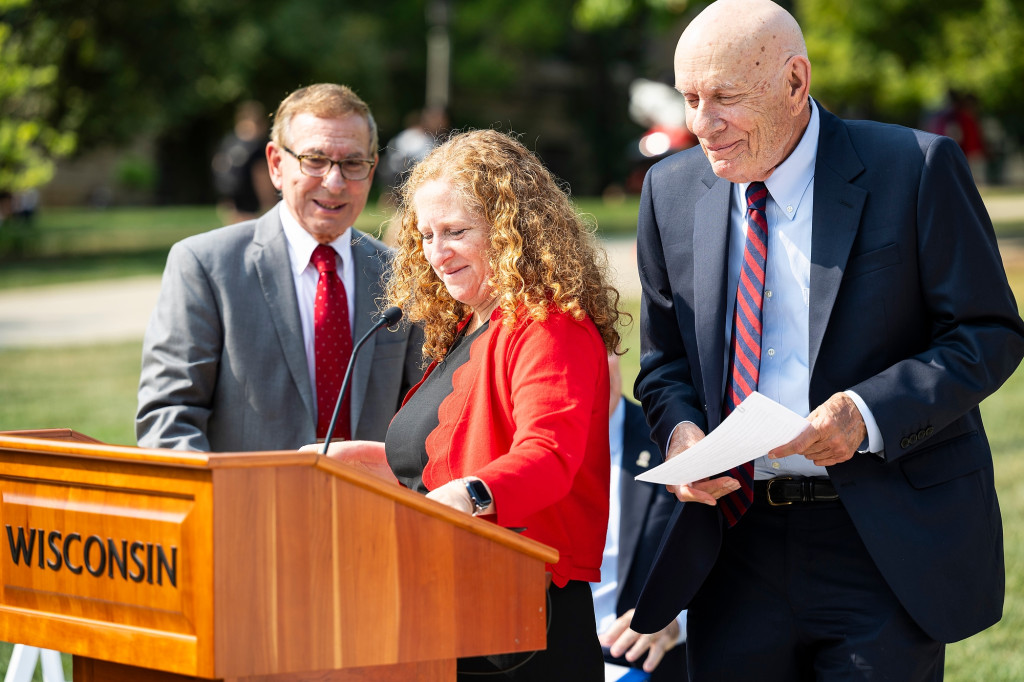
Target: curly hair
{"points": [[543, 256]]}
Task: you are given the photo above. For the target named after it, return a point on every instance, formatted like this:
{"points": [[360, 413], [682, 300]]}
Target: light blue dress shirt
{"points": [[784, 374]]}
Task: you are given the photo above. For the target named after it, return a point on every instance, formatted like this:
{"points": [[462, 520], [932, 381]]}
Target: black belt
{"points": [[785, 490]]}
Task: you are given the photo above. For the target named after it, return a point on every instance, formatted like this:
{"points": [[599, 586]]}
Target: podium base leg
{"points": [[94, 670]]}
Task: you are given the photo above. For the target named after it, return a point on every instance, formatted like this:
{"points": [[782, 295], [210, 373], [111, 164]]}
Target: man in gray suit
{"points": [[228, 359]]}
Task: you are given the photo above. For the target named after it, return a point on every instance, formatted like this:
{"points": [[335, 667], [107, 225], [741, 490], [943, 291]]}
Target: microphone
{"points": [[388, 318]]}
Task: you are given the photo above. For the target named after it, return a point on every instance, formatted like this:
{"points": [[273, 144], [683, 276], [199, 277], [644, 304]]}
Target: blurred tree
{"points": [[559, 71], [888, 59], [593, 15], [29, 143], [125, 65], [894, 59], [174, 69], [555, 70]]}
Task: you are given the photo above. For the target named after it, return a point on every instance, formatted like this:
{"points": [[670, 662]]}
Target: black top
{"points": [[233, 170], [406, 441]]}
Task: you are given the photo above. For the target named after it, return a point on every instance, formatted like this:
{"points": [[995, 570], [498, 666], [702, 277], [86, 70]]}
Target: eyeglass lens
{"points": [[351, 169]]}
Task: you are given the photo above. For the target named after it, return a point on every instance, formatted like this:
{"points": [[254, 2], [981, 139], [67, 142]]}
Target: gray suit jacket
{"points": [[223, 363]]}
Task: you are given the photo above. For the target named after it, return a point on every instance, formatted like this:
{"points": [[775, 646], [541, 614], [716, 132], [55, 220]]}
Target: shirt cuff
{"points": [[681, 620], [874, 443]]}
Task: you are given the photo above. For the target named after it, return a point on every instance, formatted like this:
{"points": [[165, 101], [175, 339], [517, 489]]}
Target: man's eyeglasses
{"points": [[317, 166]]}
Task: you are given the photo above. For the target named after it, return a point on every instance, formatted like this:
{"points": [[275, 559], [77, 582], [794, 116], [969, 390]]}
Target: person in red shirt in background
{"points": [[960, 121]]}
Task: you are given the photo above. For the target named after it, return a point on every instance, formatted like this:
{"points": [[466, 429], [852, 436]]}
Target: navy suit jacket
{"points": [[909, 307], [645, 510]]}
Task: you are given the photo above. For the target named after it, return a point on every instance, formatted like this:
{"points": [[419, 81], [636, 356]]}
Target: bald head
{"points": [[742, 66], [758, 33]]}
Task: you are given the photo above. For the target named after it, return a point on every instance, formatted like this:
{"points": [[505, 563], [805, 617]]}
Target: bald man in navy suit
{"points": [[873, 538]]}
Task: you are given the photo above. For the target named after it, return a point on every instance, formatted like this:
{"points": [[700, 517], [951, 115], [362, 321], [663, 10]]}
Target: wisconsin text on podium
{"points": [[136, 560]]}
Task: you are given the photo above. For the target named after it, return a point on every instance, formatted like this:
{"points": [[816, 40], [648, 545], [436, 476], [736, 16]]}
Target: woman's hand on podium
{"points": [[453, 494], [456, 495], [365, 455]]}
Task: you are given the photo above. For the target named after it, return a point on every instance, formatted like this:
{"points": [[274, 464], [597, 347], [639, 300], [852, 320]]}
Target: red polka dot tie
{"points": [[332, 342], [745, 349]]}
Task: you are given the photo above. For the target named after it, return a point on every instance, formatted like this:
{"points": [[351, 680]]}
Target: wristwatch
{"points": [[479, 494]]}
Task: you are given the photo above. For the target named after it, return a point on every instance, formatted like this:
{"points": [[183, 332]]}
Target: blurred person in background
{"points": [[240, 174], [422, 133], [848, 271], [255, 322], [638, 514], [510, 421], [961, 121]]}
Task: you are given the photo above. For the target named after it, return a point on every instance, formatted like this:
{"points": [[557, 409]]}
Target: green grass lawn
{"points": [[73, 245], [5, 656], [80, 244]]}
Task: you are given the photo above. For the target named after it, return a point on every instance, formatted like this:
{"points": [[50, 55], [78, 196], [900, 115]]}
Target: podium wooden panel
{"points": [[168, 566]]}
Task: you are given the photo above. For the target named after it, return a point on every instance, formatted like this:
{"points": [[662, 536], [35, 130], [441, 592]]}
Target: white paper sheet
{"points": [[754, 428]]}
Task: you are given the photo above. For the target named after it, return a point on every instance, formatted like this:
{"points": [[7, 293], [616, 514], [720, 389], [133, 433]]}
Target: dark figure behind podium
{"points": [[638, 514], [848, 270], [510, 421]]}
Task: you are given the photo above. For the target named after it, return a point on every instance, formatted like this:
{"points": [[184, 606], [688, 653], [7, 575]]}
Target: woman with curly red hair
{"points": [[510, 421]]}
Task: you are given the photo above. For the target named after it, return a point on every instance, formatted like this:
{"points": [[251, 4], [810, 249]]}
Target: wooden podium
{"points": [[168, 566]]}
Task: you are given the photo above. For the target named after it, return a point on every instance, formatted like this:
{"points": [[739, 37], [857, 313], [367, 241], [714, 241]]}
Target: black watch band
{"points": [[479, 494]]}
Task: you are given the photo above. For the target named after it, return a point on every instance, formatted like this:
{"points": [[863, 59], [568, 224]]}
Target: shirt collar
{"points": [[788, 183], [302, 244]]}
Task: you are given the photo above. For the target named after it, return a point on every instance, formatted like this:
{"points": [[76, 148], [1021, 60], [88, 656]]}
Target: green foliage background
{"points": [[30, 140], [894, 59], [100, 72]]}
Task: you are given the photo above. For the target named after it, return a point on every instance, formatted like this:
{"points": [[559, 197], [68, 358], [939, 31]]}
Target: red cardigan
{"points": [[528, 414]]}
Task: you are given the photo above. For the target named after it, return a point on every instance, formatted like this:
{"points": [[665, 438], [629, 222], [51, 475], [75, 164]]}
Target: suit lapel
{"points": [[838, 205], [368, 272], [270, 259], [711, 250]]}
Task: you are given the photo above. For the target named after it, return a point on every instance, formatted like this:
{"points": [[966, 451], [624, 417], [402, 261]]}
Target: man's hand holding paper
{"points": [[707, 490], [757, 427], [836, 429]]}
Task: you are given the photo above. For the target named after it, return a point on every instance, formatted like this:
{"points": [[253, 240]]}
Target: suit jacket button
{"points": [[913, 438], [929, 431], [905, 443], [922, 434]]}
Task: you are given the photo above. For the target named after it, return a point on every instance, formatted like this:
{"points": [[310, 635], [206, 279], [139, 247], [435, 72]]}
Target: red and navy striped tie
{"points": [[745, 348]]}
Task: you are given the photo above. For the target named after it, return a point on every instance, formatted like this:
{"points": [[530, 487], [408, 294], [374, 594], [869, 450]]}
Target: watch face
{"points": [[478, 492]]}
